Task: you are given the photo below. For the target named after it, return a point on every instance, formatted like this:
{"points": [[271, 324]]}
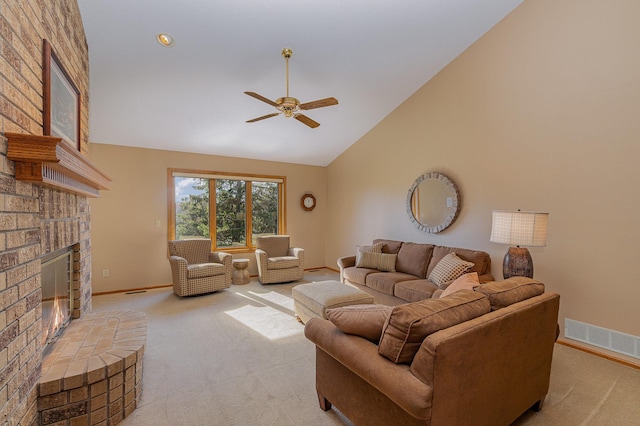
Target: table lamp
{"points": [[518, 228]]}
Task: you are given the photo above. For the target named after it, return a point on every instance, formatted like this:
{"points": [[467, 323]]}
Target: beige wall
{"points": [[125, 239], [540, 114]]}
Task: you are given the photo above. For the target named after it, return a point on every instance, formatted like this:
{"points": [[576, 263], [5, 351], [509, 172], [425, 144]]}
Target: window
{"points": [[230, 209]]}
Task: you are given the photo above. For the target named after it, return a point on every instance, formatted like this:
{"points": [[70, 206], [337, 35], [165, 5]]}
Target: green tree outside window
{"points": [[243, 209]]}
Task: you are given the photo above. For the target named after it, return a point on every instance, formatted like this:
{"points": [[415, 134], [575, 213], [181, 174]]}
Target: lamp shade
{"points": [[519, 228]]}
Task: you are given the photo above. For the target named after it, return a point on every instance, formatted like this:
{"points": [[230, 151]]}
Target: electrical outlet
{"points": [[105, 273], [157, 223]]}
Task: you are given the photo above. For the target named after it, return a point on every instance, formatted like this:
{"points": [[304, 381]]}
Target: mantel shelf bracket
{"points": [[50, 161]]}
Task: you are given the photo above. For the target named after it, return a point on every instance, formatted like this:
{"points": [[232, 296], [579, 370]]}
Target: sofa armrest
{"points": [[361, 357], [345, 262]]}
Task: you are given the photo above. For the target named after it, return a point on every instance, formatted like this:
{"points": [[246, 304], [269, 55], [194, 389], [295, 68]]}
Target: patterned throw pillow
{"points": [[448, 269], [374, 248]]}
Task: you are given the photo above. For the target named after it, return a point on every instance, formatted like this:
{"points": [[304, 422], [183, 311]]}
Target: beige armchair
{"points": [[277, 262], [196, 269]]}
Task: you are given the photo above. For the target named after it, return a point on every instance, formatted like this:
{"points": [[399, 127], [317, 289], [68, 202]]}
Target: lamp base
{"points": [[517, 263]]}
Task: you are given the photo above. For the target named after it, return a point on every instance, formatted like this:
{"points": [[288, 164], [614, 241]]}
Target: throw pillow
{"points": [[448, 269], [464, 282], [374, 248], [381, 261], [360, 320], [413, 259], [386, 262], [409, 324]]}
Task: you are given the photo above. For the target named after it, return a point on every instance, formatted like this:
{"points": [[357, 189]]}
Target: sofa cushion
{"points": [[464, 282], [480, 259], [374, 248], [386, 281], [448, 269], [414, 290], [413, 258], [361, 320], [510, 291], [358, 275], [409, 324], [389, 246], [380, 261]]}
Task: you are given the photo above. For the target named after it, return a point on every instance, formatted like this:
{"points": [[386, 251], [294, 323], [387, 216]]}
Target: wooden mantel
{"points": [[50, 161]]}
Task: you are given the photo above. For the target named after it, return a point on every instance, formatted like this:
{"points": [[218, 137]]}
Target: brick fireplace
{"points": [[93, 373], [36, 220]]}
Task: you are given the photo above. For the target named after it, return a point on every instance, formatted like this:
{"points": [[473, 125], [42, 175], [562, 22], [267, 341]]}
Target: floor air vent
{"points": [[608, 339]]}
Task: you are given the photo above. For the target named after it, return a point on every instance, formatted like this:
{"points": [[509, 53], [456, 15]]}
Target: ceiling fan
{"points": [[289, 106]]}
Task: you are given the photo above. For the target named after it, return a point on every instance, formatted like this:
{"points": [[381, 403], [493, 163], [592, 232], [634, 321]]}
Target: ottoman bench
{"points": [[313, 299]]}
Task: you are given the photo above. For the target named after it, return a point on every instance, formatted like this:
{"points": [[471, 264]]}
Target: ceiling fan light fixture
{"points": [[290, 106], [165, 40]]}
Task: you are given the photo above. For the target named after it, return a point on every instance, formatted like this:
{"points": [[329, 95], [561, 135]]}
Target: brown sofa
{"points": [[485, 360], [413, 265]]}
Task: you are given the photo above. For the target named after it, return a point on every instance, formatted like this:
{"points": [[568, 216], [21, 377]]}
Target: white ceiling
{"points": [[369, 54]]}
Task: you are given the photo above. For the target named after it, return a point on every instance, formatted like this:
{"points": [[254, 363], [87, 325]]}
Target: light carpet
{"points": [[239, 357]]}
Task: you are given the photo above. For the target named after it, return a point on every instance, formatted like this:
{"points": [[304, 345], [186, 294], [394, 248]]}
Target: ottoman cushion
{"points": [[313, 299]]}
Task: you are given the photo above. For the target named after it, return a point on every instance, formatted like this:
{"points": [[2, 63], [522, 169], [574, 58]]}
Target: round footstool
{"points": [[240, 273], [313, 299]]}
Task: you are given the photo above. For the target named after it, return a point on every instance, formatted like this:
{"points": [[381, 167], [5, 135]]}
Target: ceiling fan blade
{"points": [[306, 120], [263, 117], [262, 98], [319, 103]]}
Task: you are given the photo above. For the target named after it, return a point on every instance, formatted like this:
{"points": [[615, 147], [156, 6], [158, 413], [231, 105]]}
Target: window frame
{"points": [[212, 175]]}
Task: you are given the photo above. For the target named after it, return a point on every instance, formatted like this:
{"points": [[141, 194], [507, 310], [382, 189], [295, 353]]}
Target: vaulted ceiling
{"points": [[370, 55]]}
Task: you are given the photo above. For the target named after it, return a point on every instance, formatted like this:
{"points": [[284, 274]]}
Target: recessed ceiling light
{"points": [[165, 39]]}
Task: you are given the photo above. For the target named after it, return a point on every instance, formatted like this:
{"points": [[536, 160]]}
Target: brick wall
{"points": [[35, 220]]}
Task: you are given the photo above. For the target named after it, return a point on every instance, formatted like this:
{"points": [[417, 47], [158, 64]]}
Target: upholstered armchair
{"points": [[198, 270], [277, 262]]}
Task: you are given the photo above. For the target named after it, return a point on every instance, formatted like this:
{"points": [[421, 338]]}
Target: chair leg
{"points": [[325, 405]]}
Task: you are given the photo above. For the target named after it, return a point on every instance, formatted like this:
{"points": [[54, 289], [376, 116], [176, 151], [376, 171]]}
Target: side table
{"points": [[240, 272]]}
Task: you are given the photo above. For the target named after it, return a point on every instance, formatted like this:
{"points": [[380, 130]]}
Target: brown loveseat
{"points": [[485, 360], [409, 279]]}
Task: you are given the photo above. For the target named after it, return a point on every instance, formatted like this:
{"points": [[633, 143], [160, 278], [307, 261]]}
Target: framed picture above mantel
{"points": [[61, 106]]}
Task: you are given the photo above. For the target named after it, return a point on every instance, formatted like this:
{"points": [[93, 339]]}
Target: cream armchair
{"points": [[196, 269], [277, 262]]}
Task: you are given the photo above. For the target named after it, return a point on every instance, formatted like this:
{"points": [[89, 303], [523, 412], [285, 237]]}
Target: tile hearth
{"points": [[93, 374]]}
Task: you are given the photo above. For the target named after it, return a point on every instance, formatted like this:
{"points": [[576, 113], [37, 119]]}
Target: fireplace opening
{"points": [[57, 288]]}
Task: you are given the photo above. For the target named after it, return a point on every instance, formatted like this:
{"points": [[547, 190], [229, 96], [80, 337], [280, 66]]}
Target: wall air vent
{"points": [[616, 341]]}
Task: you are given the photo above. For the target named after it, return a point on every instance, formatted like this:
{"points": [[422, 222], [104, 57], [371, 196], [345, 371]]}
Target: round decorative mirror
{"points": [[433, 202]]}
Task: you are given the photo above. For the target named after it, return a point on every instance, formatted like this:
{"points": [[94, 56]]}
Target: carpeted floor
{"points": [[239, 357]]}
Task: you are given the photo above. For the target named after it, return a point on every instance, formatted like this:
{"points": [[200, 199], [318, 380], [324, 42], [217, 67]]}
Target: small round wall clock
{"points": [[308, 202]]}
